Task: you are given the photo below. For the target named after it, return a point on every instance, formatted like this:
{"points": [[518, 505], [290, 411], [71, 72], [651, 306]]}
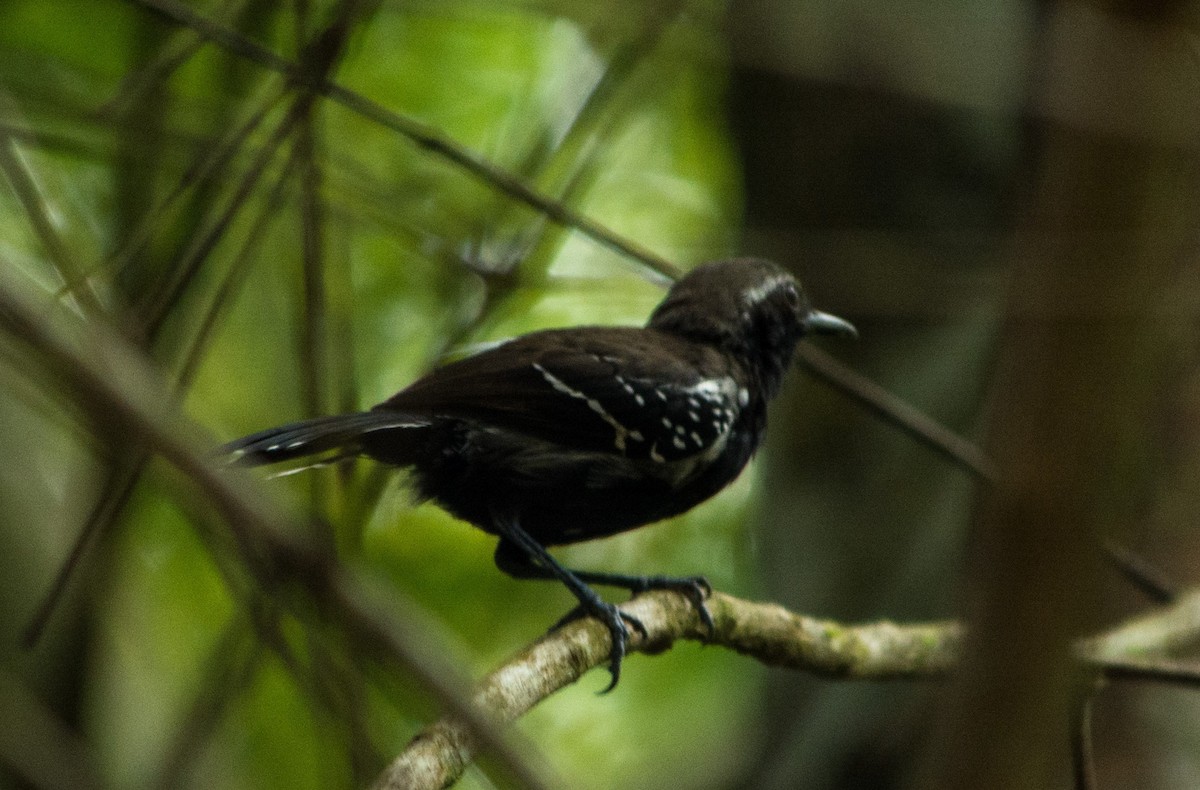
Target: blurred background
{"points": [[277, 254]]}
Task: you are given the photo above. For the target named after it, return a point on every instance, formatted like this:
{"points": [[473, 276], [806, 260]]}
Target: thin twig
{"points": [[1083, 762], [25, 187], [1175, 673], [37, 749], [108, 379], [172, 53], [213, 158], [194, 257], [229, 670], [124, 476], [1140, 572], [423, 136], [896, 412]]}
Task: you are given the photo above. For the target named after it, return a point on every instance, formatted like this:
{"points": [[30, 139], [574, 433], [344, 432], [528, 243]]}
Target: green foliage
{"points": [[190, 221]]}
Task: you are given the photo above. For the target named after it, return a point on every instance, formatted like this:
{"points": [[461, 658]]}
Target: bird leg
{"points": [[522, 557], [695, 588]]}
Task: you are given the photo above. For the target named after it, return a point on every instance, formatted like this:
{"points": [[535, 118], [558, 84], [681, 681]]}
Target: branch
{"points": [[768, 632], [421, 135], [896, 412], [439, 754], [108, 380], [1166, 630]]}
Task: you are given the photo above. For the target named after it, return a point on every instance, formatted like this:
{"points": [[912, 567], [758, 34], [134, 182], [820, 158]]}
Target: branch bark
{"points": [[883, 650]]}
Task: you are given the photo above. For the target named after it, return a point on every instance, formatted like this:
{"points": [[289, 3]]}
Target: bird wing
{"points": [[632, 392]]}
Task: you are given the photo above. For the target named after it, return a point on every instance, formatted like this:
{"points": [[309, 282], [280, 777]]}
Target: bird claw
{"points": [[695, 588], [615, 621]]}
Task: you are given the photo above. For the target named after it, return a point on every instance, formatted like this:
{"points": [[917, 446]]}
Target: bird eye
{"points": [[792, 295]]}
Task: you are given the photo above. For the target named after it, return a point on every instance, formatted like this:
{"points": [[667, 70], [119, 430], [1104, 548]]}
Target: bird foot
{"points": [[695, 588], [615, 620]]}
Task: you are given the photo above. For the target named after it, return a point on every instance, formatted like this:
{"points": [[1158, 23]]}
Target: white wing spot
{"points": [[696, 438], [678, 443]]}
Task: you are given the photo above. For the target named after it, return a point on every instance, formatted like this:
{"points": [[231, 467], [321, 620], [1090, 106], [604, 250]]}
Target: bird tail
{"points": [[344, 433]]}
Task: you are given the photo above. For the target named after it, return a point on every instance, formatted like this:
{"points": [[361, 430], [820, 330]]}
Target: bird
{"points": [[565, 435]]}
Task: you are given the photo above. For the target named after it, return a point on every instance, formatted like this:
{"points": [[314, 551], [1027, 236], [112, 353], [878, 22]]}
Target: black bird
{"points": [[566, 435]]}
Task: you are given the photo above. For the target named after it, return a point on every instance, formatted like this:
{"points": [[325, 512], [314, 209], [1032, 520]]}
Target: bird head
{"points": [[748, 307]]}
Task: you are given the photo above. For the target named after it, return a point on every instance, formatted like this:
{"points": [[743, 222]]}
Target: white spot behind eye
{"points": [[755, 295]]}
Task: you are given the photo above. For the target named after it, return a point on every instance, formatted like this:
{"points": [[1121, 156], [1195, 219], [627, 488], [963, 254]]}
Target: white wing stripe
{"points": [[622, 433]]}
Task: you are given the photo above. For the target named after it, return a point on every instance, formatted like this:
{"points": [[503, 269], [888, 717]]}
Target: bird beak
{"points": [[820, 323]]}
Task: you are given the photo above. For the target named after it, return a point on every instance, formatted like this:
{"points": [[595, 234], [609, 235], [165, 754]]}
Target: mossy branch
{"points": [[883, 650]]}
